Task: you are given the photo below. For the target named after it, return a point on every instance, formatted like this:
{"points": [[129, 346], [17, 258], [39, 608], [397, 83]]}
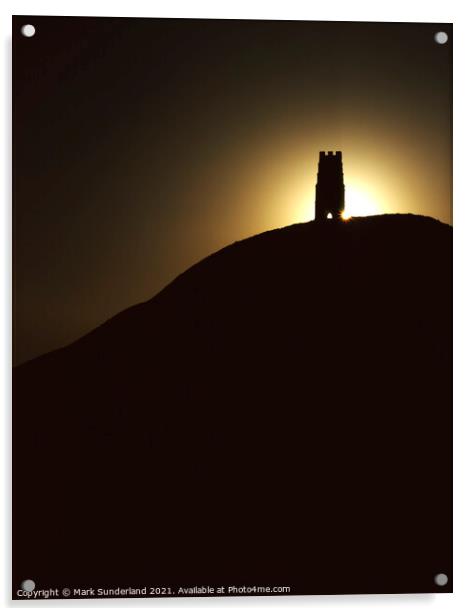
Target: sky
{"points": [[140, 146]]}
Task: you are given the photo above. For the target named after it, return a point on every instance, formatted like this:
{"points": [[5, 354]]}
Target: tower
{"points": [[330, 186]]}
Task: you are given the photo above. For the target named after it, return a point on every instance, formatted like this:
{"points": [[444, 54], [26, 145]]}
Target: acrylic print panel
{"points": [[232, 308]]}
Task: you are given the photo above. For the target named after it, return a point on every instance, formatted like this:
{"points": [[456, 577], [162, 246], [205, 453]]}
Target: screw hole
{"points": [[441, 579], [441, 38], [28, 30], [28, 585]]}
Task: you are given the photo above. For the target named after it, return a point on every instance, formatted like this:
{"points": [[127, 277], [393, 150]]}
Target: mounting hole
{"points": [[441, 38], [441, 579], [28, 30], [28, 585]]}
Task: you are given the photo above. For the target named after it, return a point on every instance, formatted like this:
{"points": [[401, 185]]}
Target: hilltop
{"points": [[280, 412]]}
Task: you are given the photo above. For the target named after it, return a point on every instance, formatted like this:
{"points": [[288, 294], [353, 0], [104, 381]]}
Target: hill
{"points": [[280, 414]]}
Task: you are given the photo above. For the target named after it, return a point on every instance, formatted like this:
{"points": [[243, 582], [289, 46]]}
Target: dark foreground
{"points": [[279, 415]]}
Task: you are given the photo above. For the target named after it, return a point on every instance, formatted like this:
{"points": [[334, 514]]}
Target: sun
{"points": [[359, 202]]}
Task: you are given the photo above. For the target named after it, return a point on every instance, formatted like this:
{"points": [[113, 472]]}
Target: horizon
{"points": [[319, 223]]}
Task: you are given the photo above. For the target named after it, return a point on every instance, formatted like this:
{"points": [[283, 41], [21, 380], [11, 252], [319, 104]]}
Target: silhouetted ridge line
{"points": [[265, 244]]}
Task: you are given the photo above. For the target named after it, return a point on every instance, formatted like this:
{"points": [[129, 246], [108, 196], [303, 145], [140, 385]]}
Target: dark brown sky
{"points": [[142, 145]]}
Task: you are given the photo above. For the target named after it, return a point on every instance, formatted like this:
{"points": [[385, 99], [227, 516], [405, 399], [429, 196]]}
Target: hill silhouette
{"points": [[280, 414]]}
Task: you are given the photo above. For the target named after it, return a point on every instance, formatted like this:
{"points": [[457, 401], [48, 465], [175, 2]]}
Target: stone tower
{"points": [[330, 186]]}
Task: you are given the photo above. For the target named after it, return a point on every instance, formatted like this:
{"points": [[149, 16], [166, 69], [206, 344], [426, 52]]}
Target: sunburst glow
{"points": [[359, 202]]}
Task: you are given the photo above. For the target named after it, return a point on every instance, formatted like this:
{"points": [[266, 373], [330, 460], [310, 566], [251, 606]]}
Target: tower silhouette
{"points": [[330, 186]]}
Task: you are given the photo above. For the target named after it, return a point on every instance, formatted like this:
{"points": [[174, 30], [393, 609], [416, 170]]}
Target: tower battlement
{"points": [[330, 186], [336, 154]]}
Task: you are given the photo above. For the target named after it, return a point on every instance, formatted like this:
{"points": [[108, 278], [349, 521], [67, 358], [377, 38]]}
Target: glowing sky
{"points": [[141, 146]]}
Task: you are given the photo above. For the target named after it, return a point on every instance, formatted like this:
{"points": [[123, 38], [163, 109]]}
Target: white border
{"points": [[347, 10]]}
